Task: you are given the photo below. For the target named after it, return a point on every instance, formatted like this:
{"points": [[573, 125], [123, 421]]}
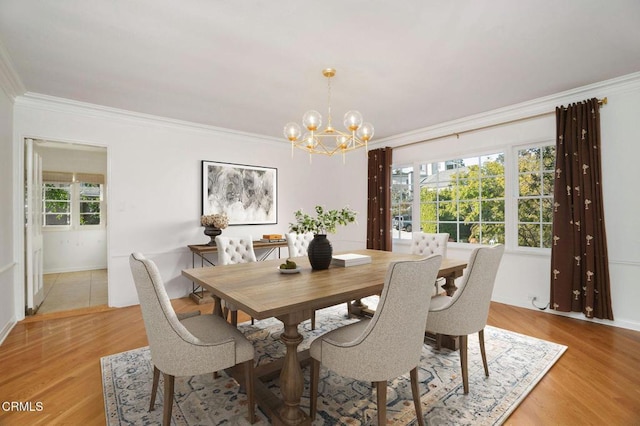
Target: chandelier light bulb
{"points": [[342, 142], [365, 132], [312, 120], [292, 131], [352, 120], [310, 141]]}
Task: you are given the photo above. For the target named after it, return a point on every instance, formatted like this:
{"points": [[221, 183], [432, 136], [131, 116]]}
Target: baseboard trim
{"points": [[630, 325], [7, 329]]}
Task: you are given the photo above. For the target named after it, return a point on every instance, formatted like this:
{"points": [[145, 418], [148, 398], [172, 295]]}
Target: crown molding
{"points": [[535, 107], [56, 104], [10, 81]]}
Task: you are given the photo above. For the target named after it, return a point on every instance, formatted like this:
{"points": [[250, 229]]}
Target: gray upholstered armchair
{"points": [[390, 343], [466, 312], [192, 346], [232, 250]]}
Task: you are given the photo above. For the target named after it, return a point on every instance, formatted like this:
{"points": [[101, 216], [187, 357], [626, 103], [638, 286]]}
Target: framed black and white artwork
{"points": [[246, 194]]}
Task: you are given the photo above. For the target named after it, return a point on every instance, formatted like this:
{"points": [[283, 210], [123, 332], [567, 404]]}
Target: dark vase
{"points": [[320, 252], [212, 232]]}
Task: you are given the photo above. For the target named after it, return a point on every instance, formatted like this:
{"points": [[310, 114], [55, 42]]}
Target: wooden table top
{"points": [[260, 290]]}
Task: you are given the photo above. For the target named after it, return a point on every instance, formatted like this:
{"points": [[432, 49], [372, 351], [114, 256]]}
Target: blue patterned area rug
{"points": [[516, 364]]}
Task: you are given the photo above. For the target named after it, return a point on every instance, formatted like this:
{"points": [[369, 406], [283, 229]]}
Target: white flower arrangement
{"points": [[218, 220]]}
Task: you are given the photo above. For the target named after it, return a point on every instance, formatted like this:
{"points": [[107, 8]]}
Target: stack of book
{"points": [[350, 259], [272, 238]]}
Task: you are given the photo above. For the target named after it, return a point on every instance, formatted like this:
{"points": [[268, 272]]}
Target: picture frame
{"points": [[248, 195]]}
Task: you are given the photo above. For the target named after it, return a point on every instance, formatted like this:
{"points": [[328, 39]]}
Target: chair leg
{"points": [[483, 353], [415, 391], [313, 397], [313, 320], [168, 398], [154, 387], [234, 318], [381, 390], [248, 379], [463, 363]]}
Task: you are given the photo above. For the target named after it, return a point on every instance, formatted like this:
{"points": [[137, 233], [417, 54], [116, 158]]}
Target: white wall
{"points": [[154, 183], [7, 261], [523, 273]]}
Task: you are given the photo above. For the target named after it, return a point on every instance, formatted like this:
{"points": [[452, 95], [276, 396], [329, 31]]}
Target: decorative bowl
{"points": [[290, 271]]}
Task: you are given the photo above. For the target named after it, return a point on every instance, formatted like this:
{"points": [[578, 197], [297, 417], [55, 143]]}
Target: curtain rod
{"points": [[602, 102]]}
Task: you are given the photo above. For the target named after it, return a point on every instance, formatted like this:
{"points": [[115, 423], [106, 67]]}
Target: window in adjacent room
{"points": [[72, 200], [90, 196], [57, 204]]}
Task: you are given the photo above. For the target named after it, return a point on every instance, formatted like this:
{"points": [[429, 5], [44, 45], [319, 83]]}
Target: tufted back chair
{"points": [[298, 243], [428, 244], [233, 250]]}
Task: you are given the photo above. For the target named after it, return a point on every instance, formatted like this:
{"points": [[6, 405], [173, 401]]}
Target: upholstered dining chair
{"points": [[194, 345], [467, 310], [298, 243], [426, 244], [387, 345], [232, 250]]}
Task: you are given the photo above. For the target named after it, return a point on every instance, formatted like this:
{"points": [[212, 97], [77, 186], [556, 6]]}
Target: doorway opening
{"points": [[66, 232]]}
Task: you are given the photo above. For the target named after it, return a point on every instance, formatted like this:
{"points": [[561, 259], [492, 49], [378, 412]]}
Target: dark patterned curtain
{"points": [[579, 260], [379, 200]]}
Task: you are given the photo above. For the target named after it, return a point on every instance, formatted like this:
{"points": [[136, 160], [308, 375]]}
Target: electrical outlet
{"points": [[531, 297]]}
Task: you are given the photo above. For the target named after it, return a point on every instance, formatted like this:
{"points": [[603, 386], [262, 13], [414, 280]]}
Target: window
{"points": [[72, 199], [401, 202], [535, 195], [57, 204], [464, 197], [476, 201], [90, 197]]}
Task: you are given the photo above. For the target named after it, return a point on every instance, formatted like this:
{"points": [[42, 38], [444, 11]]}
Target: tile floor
{"points": [[74, 290]]}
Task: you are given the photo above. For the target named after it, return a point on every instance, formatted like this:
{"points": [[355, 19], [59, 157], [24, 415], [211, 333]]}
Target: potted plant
{"points": [[213, 225], [320, 250]]}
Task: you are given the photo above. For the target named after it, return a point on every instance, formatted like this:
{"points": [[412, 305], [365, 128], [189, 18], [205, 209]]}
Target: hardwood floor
{"points": [[54, 360]]}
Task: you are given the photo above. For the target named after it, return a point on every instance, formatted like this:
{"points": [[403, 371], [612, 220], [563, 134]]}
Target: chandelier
{"points": [[328, 141]]}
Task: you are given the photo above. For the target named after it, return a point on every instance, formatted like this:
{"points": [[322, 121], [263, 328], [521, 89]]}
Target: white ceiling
{"points": [[253, 65]]}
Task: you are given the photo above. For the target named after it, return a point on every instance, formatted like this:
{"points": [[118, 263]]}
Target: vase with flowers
{"points": [[320, 250], [213, 225]]}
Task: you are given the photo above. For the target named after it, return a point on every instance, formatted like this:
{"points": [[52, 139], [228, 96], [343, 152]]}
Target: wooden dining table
{"points": [[260, 290]]}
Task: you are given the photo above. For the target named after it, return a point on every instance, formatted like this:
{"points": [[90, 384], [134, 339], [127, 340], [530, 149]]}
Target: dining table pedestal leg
{"points": [[291, 378]]}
